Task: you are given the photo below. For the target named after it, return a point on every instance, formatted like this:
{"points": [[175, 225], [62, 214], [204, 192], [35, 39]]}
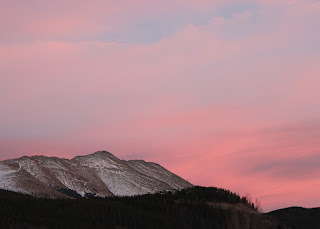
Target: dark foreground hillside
{"points": [[196, 207], [298, 218]]}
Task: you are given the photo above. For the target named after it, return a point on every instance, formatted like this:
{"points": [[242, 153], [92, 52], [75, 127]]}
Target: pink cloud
{"points": [[232, 103], [82, 20]]}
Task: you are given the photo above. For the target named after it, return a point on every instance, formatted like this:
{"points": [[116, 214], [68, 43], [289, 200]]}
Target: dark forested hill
{"points": [[298, 217], [196, 207]]}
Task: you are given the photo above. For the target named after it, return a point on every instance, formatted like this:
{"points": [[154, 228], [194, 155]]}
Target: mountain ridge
{"points": [[99, 174]]}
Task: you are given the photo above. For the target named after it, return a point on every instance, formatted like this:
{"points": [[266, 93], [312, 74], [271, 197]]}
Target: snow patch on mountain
{"points": [[6, 173]]}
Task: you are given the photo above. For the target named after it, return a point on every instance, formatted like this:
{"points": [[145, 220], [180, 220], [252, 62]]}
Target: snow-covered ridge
{"points": [[100, 174]]}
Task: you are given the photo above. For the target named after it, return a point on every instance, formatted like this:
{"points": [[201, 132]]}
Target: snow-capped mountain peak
{"points": [[99, 174]]}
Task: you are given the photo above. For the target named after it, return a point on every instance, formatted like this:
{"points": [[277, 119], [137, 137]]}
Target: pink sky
{"points": [[224, 94]]}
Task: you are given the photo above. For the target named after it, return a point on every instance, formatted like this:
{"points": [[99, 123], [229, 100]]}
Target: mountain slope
{"points": [[99, 174], [158, 172]]}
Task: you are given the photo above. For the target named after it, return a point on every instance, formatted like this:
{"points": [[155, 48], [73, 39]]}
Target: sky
{"points": [[222, 93]]}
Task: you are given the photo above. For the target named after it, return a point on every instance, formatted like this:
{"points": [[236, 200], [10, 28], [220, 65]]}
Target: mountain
{"points": [[99, 174]]}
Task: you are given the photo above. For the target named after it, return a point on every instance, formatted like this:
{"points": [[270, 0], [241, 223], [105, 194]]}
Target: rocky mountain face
{"points": [[99, 174]]}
